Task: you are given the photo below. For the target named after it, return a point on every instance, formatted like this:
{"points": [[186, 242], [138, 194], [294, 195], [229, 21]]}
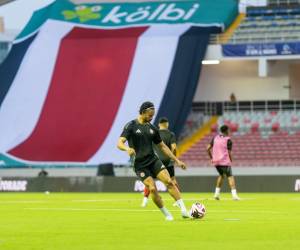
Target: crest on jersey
{"points": [[138, 131], [151, 131]]}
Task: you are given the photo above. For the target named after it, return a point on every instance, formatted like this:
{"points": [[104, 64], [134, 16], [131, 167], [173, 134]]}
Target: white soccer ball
{"points": [[197, 211]]}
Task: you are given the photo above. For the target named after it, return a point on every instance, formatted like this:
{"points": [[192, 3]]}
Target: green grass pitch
{"points": [[90, 221]]}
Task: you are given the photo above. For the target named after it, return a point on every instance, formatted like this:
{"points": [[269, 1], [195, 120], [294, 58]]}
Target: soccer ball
{"points": [[197, 211]]}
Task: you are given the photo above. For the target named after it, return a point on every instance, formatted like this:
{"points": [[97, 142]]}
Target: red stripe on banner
{"points": [[87, 86]]}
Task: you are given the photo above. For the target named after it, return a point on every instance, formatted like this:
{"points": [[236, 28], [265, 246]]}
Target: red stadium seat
{"points": [[275, 127]]}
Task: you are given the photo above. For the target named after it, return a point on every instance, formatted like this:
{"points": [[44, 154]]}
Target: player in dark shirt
{"points": [[140, 135], [169, 139]]}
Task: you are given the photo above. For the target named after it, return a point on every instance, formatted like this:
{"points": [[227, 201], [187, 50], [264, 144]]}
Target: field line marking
{"points": [[22, 202], [146, 210], [166, 199]]}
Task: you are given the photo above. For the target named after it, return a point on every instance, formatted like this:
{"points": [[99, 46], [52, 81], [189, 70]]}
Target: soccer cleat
{"points": [[175, 204], [169, 218], [217, 198], [236, 198], [145, 202], [185, 214]]}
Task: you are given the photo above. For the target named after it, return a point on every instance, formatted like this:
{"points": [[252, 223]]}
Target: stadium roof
{"points": [[120, 1], [2, 2]]}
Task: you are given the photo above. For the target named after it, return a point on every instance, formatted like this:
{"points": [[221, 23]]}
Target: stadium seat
{"points": [[269, 24], [259, 139]]}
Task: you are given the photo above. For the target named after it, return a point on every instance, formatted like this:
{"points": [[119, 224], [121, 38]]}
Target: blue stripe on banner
{"points": [[183, 80], [11, 64]]}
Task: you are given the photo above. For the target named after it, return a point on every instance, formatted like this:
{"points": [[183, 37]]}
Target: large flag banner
{"points": [[77, 74]]}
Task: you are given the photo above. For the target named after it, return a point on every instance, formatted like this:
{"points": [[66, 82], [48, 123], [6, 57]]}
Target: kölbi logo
{"points": [[150, 13], [83, 13]]}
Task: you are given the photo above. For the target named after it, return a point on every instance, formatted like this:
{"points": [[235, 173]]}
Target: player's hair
{"points": [[163, 120], [224, 129], [146, 106]]}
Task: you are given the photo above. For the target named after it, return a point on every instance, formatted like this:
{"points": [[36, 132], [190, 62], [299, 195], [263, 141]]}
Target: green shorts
{"points": [[151, 170]]}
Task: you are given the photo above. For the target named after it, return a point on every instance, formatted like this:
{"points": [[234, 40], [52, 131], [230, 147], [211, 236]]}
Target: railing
{"points": [[250, 38], [236, 39], [283, 2], [218, 108], [219, 38]]}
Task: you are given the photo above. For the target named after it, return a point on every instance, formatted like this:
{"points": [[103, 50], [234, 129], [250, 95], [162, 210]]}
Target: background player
{"points": [[169, 139], [219, 151]]}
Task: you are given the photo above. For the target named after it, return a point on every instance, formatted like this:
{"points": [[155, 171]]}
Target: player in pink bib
{"points": [[219, 151]]}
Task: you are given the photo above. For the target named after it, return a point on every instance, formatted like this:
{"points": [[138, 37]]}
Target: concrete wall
{"points": [[128, 184], [294, 80], [1, 24], [217, 82]]}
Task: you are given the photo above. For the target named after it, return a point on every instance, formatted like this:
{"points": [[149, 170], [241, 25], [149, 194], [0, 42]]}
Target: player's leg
{"points": [[146, 197], [164, 176], [232, 185], [172, 175], [171, 171], [150, 184], [176, 184], [219, 183]]}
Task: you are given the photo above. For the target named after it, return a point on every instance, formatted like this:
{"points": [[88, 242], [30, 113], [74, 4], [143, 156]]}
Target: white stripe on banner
{"points": [[148, 79], [21, 108]]}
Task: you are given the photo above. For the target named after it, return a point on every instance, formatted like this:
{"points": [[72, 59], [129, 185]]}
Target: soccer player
{"points": [[169, 139], [219, 151], [140, 134]]}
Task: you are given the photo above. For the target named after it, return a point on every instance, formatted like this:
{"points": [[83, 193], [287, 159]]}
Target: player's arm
{"points": [[173, 144], [230, 155], [123, 138], [163, 147], [209, 148], [122, 146], [229, 148], [174, 149]]}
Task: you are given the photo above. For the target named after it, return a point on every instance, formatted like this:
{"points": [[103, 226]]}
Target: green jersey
{"points": [[140, 137], [168, 138]]}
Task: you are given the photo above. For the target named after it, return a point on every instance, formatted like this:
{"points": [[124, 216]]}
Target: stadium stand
{"points": [[244, 122], [261, 138], [193, 122], [282, 2], [277, 22]]}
